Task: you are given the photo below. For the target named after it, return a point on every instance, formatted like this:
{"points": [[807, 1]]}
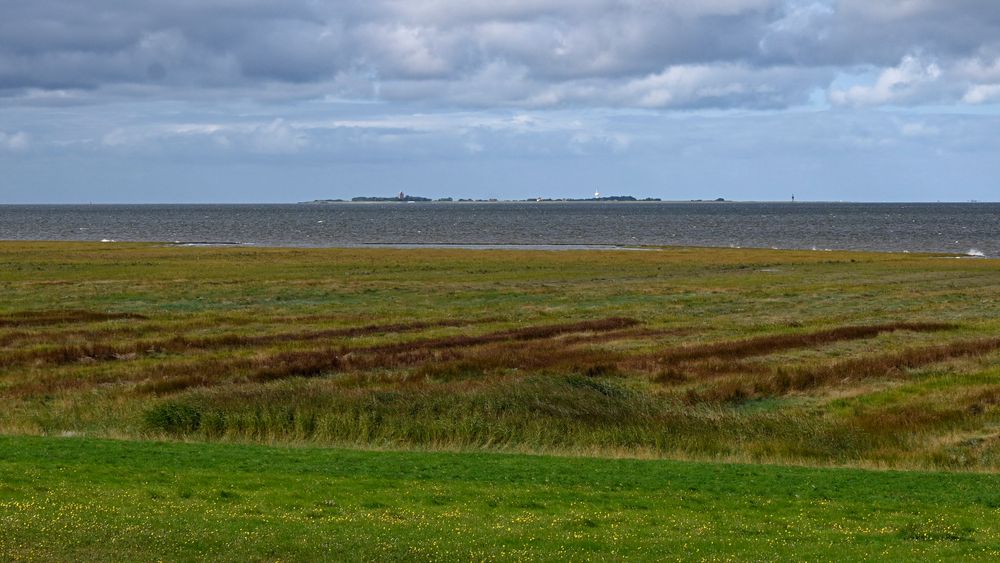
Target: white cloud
{"points": [[726, 85], [585, 142], [982, 93], [406, 51], [277, 137], [918, 129], [16, 141], [898, 84]]}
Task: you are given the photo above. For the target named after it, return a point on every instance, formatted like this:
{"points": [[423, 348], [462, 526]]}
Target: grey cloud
{"points": [[531, 53]]}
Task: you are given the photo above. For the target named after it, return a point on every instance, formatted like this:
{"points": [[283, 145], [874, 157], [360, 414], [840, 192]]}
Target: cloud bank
{"points": [[664, 54]]}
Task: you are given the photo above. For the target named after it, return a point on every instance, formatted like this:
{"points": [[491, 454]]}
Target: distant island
{"points": [[405, 198], [402, 197]]}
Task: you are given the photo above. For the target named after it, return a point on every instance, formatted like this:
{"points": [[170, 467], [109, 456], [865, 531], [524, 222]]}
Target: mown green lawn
{"points": [[87, 499]]}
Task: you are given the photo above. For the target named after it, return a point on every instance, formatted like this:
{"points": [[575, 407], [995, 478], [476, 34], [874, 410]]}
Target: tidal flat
{"points": [[583, 359]]}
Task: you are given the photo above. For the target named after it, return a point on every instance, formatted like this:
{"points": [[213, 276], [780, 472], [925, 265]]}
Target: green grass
{"points": [[87, 499]]}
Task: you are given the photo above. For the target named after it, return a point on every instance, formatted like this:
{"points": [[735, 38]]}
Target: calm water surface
{"points": [[941, 227]]}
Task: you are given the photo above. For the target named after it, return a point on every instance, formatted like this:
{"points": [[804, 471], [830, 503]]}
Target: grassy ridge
{"points": [[883, 360], [109, 500]]}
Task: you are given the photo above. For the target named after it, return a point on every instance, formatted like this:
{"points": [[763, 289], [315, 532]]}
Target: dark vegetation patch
{"points": [[935, 532], [533, 411], [173, 418], [535, 408]]}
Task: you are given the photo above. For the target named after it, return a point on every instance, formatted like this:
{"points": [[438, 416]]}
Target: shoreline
{"points": [[540, 247]]}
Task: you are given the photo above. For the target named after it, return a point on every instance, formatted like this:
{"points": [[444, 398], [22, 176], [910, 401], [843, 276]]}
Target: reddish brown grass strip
{"points": [[764, 345], [35, 336], [983, 400], [171, 378], [518, 334], [176, 384], [902, 419], [783, 381], [532, 357], [414, 352], [54, 317], [311, 363], [882, 365], [710, 368], [101, 351], [624, 334], [235, 340]]}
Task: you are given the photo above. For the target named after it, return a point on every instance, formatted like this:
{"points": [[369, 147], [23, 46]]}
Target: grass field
{"points": [[881, 360], [878, 361], [86, 499]]}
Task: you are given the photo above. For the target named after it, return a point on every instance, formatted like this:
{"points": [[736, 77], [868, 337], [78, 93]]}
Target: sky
{"points": [[192, 101]]}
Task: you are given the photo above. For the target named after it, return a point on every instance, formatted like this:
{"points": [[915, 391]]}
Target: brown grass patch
{"points": [[711, 368], [519, 334], [54, 317], [441, 350], [625, 334], [175, 384], [179, 344], [236, 340], [881, 365], [783, 381], [35, 336], [404, 354], [764, 345], [907, 419], [984, 400], [531, 357]]}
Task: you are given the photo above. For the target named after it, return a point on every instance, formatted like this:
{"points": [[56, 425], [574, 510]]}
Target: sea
{"points": [[971, 229]]}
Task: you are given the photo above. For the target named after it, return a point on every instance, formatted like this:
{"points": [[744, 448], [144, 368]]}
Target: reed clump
{"points": [[544, 413]]}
